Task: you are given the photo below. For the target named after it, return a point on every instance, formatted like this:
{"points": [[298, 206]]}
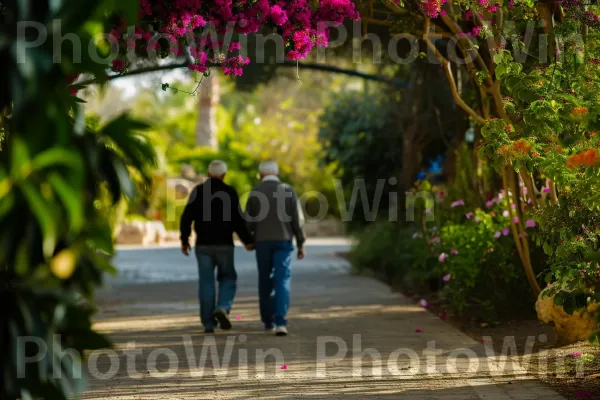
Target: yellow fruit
{"points": [[63, 264]]}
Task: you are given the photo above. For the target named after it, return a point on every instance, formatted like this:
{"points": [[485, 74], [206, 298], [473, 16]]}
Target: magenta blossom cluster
{"points": [[194, 23]]}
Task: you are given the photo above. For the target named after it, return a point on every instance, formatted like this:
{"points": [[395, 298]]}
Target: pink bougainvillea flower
{"points": [[447, 277], [454, 251], [443, 257], [546, 189], [505, 231], [516, 220], [238, 318], [505, 213], [513, 206], [284, 367], [575, 354], [118, 64], [418, 331], [530, 223], [436, 239], [489, 203], [469, 215], [497, 235], [423, 303]]}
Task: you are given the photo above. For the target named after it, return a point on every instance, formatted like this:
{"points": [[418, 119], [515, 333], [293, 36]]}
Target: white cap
{"points": [[268, 168], [217, 169]]}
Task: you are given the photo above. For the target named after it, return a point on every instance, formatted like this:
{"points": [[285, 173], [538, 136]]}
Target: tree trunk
{"points": [[206, 127]]}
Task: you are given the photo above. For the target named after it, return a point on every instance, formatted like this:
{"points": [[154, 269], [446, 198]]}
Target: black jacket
{"points": [[214, 208]]}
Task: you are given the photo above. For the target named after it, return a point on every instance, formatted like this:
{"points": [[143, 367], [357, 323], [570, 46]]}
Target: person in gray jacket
{"points": [[274, 218]]}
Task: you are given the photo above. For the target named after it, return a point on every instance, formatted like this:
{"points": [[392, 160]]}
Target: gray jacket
{"points": [[273, 213]]}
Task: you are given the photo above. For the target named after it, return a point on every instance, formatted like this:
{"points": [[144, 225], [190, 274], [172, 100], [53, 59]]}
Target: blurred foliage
{"points": [[54, 169], [362, 144], [275, 121]]}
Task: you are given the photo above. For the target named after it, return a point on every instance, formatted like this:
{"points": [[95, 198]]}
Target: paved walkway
{"points": [[350, 337]]}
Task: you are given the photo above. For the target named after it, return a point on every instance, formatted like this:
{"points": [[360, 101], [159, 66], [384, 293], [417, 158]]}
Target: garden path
{"points": [[153, 304]]}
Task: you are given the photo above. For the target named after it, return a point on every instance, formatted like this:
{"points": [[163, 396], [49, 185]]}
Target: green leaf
{"points": [[71, 198], [45, 216], [20, 161], [60, 156]]}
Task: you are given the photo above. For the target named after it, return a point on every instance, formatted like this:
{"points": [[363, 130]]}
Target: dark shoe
{"points": [[209, 330], [221, 316]]}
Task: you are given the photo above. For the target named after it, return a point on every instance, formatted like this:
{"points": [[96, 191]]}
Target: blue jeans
{"points": [[208, 258], [274, 259]]}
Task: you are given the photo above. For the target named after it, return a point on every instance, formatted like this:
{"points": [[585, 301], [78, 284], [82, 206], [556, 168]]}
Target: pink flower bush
{"points": [[469, 215], [447, 277], [454, 252], [301, 26], [530, 223], [443, 257]]}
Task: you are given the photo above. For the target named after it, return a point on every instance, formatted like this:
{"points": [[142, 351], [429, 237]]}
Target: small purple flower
{"points": [[423, 303], [447, 277], [530, 223], [454, 251], [505, 231], [435, 239], [443, 257], [497, 235], [489, 204], [546, 189], [418, 331], [505, 213], [513, 206], [516, 220], [575, 354], [469, 215], [457, 203]]}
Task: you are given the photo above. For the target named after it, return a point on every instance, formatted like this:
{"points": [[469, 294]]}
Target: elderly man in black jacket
{"points": [[214, 208]]}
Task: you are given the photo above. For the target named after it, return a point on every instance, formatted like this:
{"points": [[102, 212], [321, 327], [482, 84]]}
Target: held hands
{"points": [[301, 253], [185, 249]]}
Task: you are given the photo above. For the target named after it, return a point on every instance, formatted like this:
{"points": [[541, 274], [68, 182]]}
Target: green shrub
{"points": [[385, 249]]}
